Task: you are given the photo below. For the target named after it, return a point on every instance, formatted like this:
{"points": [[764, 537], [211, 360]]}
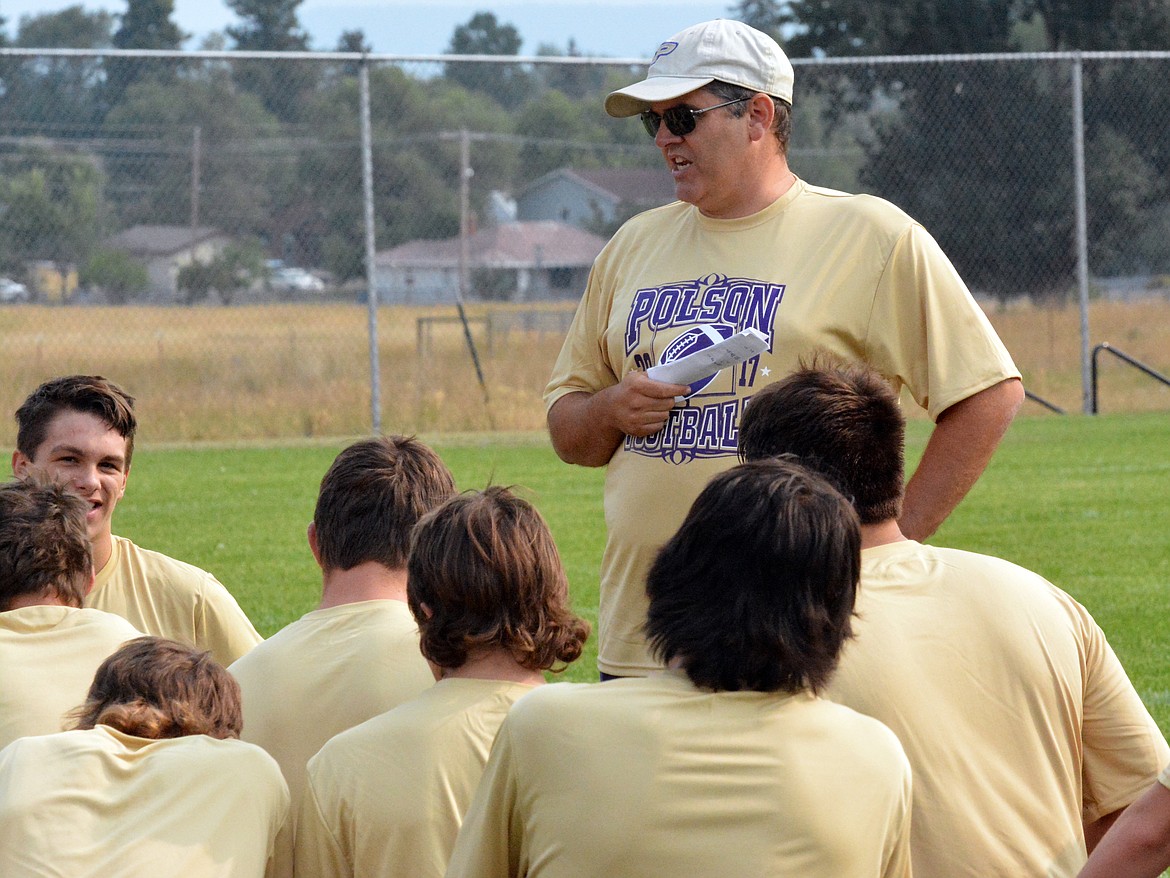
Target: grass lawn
{"points": [[1080, 500]]}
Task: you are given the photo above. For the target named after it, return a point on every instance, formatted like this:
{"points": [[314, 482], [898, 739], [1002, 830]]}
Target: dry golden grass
{"points": [[281, 371], [1046, 345], [284, 371]]}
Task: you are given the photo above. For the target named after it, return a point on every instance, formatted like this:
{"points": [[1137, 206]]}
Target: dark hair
{"points": [[91, 394], [44, 546], [371, 498], [158, 688], [843, 421], [487, 568], [781, 121], [756, 589]]}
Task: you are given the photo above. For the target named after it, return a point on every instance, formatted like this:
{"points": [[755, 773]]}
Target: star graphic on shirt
{"points": [[765, 371]]}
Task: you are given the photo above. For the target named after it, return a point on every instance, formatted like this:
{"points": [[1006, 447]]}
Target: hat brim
{"points": [[637, 98]]}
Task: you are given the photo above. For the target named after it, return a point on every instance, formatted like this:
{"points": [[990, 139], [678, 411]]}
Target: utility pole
{"points": [[465, 175], [196, 162]]}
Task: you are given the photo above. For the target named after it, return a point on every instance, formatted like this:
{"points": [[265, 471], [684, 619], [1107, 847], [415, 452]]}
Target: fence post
{"points": [[368, 204], [1082, 230]]}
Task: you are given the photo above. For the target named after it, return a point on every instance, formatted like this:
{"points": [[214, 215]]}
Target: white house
{"points": [[166, 249]]}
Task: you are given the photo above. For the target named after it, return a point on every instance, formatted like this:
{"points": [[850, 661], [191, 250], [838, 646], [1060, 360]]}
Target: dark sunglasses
{"points": [[680, 121]]}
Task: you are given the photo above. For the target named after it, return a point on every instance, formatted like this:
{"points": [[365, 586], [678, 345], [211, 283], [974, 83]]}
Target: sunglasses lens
{"points": [[680, 121]]}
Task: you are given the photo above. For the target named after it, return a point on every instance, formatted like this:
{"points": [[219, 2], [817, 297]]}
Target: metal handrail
{"points": [[1051, 406], [1121, 355]]}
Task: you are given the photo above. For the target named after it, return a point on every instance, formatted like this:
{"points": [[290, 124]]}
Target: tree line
{"points": [[269, 151]]}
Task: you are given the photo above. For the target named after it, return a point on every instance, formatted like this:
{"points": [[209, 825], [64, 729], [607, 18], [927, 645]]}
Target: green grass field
{"points": [[1080, 500]]}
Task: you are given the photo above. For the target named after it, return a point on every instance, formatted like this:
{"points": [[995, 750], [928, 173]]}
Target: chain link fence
{"points": [[198, 226]]}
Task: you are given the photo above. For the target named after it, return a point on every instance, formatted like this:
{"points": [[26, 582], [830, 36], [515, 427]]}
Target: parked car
{"points": [[12, 291], [292, 279]]}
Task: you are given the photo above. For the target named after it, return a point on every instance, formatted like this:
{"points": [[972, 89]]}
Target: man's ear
{"points": [[125, 479], [20, 464], [761, 113], [311, 536]]}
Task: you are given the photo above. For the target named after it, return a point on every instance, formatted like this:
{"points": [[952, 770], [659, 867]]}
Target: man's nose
{"points": [[663, 136], [86, 478]]}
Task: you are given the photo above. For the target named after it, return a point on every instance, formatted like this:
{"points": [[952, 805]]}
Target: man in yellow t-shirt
{"points": [[152, 781], [727, 763], [49, 646], [491, 598], [750, 246], [1025, 734], [356, 655], [79, 429]]}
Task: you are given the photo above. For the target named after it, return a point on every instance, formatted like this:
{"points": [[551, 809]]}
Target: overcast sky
{"points": [[614, 28]]}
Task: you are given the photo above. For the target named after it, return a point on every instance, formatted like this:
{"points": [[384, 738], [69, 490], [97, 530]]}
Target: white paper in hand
{"points": [[708, 361]]}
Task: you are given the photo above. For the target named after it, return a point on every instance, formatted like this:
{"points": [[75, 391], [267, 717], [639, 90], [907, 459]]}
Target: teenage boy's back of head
{"points": [[727, 763], [491, 598], [44, 549], [485, 575], [357, 654], [49, 646], [756, 589], [844, 423], [150, 780], [371, 498], [966, 654]]}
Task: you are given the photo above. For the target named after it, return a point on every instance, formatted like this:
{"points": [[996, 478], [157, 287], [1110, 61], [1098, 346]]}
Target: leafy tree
{"points": [[766, 15], [896, 27], [1128, 155], [71, 28], [576, 81], [62, 95], [415, 129], [147, 24], [1125, 195], [153, 183], [558, 132], [116, 273], [234, 270], [1092, 25], [975, 135], [969, 152], [484, 35], [49, 207], [353, 41], [272, 26], [268, 25]]}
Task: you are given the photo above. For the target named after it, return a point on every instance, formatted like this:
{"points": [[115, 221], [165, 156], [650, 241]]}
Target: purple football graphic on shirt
{"points": [[696, 339]]}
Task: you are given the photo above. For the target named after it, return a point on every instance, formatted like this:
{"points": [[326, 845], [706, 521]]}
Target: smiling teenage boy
{"points": [[79, 429]]}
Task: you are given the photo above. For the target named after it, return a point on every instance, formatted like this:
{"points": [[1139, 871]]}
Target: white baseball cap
{"points": [[727, 50]]}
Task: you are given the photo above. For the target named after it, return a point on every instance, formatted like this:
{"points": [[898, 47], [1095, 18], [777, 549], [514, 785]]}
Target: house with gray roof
{"points": [[594, 199], [166, 249], [514, 262]]}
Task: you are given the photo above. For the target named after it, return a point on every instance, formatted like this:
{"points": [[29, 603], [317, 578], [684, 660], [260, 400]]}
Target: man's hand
{"points": [[587, 428]]}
